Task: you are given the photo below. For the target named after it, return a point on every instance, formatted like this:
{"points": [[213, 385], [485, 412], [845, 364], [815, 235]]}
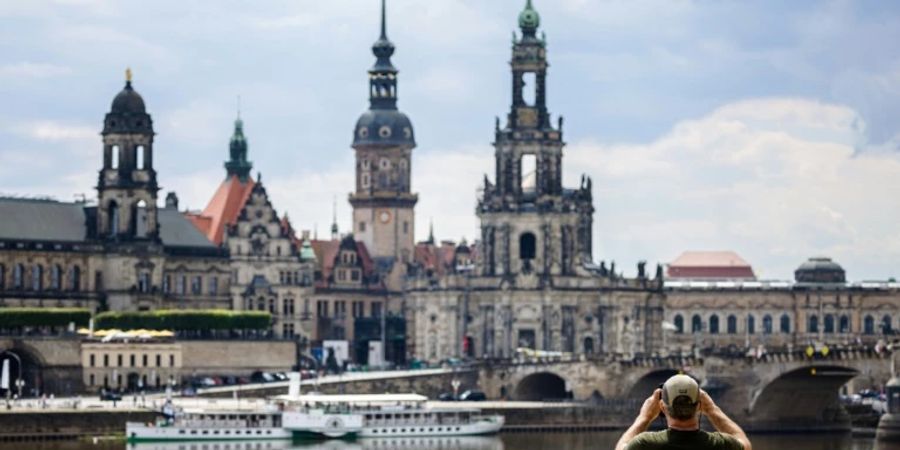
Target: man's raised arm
{"points": [[649, 412], [721, 422]]}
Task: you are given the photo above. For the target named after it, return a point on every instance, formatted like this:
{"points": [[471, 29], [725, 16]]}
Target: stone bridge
{"points": [[778, 391]]}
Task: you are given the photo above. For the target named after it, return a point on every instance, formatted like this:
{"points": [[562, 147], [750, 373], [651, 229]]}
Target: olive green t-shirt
{"points": [[687, 440]]}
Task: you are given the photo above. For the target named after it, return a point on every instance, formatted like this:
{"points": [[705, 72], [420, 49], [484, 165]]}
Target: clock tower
{"points": [[383, 206]]}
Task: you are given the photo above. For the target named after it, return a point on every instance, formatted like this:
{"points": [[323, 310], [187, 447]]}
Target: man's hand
{"points": [[650, 408], [707, 405], [649, 411]]}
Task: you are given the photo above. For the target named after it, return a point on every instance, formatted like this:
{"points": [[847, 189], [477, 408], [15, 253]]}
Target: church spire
{"points": [[383, 75], [334, 226], [238, 165]]}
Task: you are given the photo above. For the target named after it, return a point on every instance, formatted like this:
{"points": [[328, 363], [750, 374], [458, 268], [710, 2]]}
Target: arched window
{"points": [[589, 345], [732, 324], [869, 325], [714, 324], [767, 324], [75, 279], [785, 323], [139, 157], [751, 324], [139, 219], [829, 323], [527, 246], [37, 277], [114, 157], [812, 324], [2, 276], [844, 324], [679, 324], [18, 275], [886, 325], [696, 324], [55, 277]]}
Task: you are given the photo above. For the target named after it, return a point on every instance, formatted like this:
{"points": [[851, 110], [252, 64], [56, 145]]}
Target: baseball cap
{"points": [[680, 385]]}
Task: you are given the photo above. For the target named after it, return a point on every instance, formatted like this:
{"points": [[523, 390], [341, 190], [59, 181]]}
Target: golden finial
{"points": [[128, 74]]}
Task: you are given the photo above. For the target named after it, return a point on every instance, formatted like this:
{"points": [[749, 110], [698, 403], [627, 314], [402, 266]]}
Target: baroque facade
{"points": [[533, 284], [122, 253]]}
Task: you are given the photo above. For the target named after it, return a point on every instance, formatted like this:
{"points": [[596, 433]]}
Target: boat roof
{"points": [[355, 398]]}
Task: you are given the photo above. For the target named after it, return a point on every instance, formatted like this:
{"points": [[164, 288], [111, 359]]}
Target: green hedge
{"points": [[185, 319], [43, 317]]}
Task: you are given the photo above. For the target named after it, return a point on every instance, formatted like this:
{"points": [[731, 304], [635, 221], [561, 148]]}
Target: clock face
{"points": [[384, 217]]}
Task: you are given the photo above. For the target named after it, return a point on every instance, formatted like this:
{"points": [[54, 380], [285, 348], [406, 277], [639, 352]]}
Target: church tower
{"points": [[238, 165], [383, 206], [127, 188], [530, 224]]}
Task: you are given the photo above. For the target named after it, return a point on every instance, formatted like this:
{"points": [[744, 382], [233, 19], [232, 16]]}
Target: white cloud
{"points": [[28, 69], [777, 180]]}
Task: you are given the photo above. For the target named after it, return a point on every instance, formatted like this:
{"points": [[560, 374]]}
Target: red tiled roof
{"points": [[710, 264], [223, 208]]}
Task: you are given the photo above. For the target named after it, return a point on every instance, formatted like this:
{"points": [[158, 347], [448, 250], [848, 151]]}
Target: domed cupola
{"points": [[128, 113], [820, 270], [529, 20], [383, 125]]}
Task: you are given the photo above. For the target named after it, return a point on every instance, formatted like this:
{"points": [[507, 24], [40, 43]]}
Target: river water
{"points": [[514, 441]]}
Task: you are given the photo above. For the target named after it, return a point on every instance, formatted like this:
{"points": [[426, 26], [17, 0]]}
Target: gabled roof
{"points": [[710, 264], [42, 220], [49, 220], [327, 253], [223, 208]]}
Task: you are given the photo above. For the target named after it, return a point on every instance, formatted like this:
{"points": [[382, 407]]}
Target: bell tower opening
{"points": [[113, 214], [529, 88], [528, 173], [527, 246]]}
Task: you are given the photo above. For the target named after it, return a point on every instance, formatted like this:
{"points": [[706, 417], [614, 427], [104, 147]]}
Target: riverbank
{"points": [[67, 424]]}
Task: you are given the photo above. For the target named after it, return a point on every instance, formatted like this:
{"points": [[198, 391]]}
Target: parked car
{"points": [[473, 396], [262, 377], [110, 396], [446, 397]]}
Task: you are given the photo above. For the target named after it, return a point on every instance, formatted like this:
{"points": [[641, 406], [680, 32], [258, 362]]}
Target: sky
{"points": [[769, 128]]}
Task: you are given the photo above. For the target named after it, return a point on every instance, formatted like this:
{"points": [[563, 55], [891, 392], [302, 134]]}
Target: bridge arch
{"points": [[646, 384], [541, 386], [801, 393], [26, 364]]}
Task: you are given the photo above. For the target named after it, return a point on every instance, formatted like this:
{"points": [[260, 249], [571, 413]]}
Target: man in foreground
{"points": [[682, 401]]}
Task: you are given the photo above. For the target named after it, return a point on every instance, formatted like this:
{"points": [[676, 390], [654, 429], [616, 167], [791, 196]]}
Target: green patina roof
{"points": [[529, 17]]}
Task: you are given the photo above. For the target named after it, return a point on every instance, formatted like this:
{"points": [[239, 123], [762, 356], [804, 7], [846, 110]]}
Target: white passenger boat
{"points": [[209, 425], [406, 443], [380, 415]]}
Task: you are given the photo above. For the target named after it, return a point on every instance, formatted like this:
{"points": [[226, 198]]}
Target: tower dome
{"points": [[529, 19], [383, 124], [127, 114], [820, 270]]}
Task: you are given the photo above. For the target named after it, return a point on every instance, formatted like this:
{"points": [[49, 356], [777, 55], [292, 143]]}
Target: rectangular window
{"points": [[213, 285], [362, 227], [144, 359], [322, 308], [405, 227], [131, 360], [167, 284], [197, 285], [105, 360], [91, 382], [354, 275], [119, 359], [180, 284], [340, 309], [144, 282], [158, 360], [281, 278], [376, 309], [92, 360], [171, 360]]}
